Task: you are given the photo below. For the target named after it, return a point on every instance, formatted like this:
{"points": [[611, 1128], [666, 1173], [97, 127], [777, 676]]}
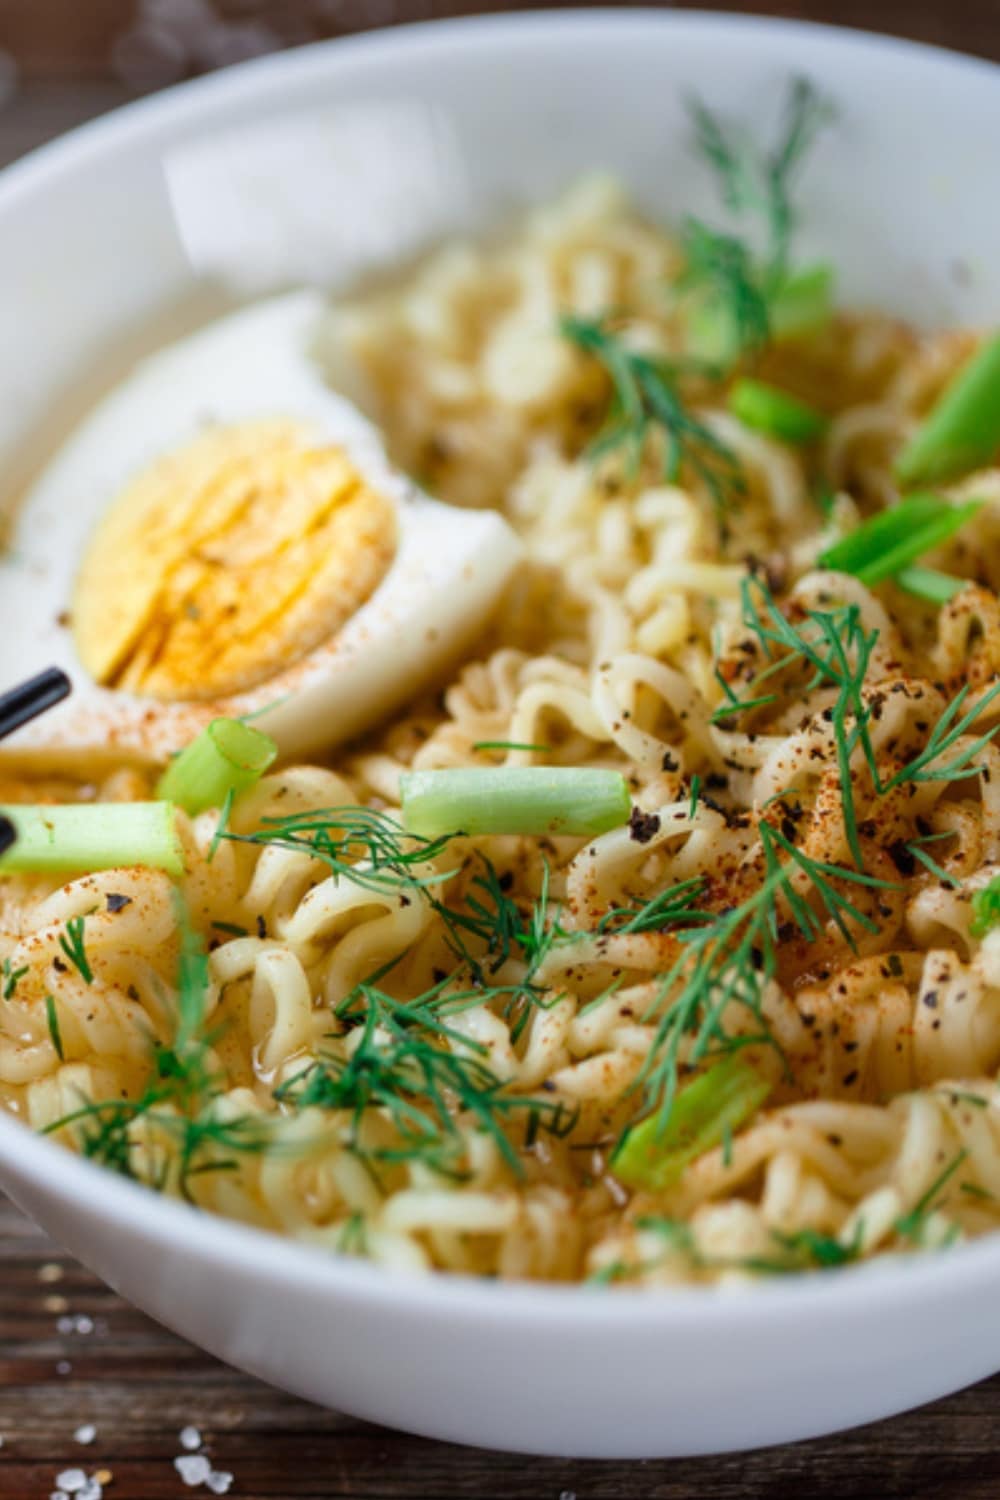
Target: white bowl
{"points": [[903, 197]]}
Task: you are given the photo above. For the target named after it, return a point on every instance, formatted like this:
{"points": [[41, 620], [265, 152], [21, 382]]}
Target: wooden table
{"points": [[72, 1354]]}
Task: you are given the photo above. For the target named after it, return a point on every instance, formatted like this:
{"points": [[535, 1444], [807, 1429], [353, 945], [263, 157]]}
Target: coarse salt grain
{"points": [[219, 1482], [58, 1495], [71, 1480], [92, 1490], [194, 1468], [63, 1367], [85, 1434], [79, 1323], [190, 1438]]}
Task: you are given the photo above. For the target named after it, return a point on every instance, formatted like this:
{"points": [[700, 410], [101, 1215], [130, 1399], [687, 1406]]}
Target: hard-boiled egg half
{"points": [[224, 535]]}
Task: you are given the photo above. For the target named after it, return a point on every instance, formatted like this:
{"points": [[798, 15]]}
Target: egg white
{"points": [[445, 580]]}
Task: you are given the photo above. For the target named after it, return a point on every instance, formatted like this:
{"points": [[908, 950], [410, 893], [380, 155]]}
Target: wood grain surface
{"points": [[139, 1385]]}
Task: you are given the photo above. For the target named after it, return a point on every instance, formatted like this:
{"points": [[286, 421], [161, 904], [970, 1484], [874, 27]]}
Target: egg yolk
{"points": [[227, 561]]}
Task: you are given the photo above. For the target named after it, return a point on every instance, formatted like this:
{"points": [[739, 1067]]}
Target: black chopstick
{"points": [[32, 698]]}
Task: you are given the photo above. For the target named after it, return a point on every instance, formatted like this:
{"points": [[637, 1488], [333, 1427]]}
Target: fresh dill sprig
{"points": [[496, 920], [661, 912], [404, 1066], [837, 647], [52, 1016], [729, 961], [10, 978], [913, 1225], [362, 844], [758, 181], [73, 944], [950, 728], [180, 1100], [353, 1238], [801, 1250], [722, 266], [915, 848], [646, 399]]}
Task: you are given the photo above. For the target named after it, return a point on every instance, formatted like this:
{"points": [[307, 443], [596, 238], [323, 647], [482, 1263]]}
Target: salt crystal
{"points": [[194, 1468], [71, 1480], [80, 1323], [568, 1495], [85, 1434], [92, 1490], [219, 1482], [58, 1495], [190, 1438], [63, 1367]]}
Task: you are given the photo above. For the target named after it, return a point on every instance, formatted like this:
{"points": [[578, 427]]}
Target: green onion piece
{"points": [[769, 410], [962, 432], [889, 542], [92, 836], [929, 584], [802, 304], [986, 909], [229, 757], [653, 1155], [514, 799]]}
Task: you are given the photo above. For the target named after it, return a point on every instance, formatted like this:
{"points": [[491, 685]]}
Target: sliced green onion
{"points": [[92, 836], [889, 542], [514, 799], [227, 758], [775, 412], [986, 909], [929, 584], [962, 431], [803, 303], [653, 1155]]}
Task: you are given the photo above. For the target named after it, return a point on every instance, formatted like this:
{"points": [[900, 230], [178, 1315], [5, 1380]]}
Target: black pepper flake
{"points": [[668, 763], [506, 880], [788, 829], [895, 965], [117, 903], [850, 1078], [930, 999], [902, 858], [643, 826], [59, 966], [261, 928]]}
